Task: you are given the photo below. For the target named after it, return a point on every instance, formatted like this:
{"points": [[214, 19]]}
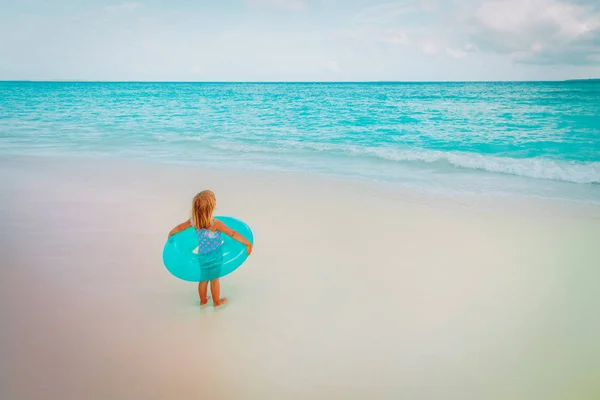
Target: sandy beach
{"points": [[353, 291]]}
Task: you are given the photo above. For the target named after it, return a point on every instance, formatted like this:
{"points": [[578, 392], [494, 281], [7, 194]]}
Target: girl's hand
{"points": [[249, 248]]}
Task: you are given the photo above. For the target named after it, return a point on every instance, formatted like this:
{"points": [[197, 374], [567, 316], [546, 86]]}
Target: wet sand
{"points": [[353, 291]]}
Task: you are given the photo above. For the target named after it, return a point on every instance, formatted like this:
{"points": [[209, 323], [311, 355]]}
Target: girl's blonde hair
{"points": [[203, 206]]}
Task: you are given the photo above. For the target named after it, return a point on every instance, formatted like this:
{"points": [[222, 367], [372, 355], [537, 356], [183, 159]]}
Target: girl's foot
{"points": [[204, 303], [220, 303]]}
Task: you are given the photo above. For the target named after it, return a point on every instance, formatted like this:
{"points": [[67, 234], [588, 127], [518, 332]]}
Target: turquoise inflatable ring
{"points": [[180, 259]]}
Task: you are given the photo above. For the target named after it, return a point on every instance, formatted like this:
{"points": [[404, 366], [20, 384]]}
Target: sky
{"points": [[299, 40]]}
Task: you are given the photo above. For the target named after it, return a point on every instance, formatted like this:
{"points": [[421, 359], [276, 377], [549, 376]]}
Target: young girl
{"points": [[209, 241]]}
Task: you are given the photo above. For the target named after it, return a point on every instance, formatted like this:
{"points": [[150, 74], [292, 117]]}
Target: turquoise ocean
{"points": [[534, 139]]}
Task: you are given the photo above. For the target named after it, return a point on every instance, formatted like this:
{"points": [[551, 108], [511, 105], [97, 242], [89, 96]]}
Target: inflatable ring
{"points": [[181, 260]]}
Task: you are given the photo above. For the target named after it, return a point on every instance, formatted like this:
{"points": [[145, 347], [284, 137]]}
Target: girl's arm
{"points": [[221, 227], [181, 227]]}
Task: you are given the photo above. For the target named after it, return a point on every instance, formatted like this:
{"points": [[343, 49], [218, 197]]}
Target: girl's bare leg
{"points": [[215, 290], [202, 291]]}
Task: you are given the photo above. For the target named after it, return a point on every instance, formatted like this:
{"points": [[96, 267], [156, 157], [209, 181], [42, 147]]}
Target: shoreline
{"points": [[468, 201]]}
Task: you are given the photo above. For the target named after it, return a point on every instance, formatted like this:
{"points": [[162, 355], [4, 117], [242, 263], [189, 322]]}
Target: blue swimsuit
{"points": [[210, 254], [208, 240]]}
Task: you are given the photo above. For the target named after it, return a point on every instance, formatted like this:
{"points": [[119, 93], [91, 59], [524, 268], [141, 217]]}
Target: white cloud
{"points": [[368, 36], [538, 31], [123, 8], [394, 36], [470, 47], [430, 48], [519, 16], [354, 35], [390, 11], [292, 5], [428, 6], [456, 53], [537, 47], [461, 52]]}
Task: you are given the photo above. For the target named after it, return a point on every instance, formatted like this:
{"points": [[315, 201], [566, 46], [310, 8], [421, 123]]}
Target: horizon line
{"points": [[287, 82]]}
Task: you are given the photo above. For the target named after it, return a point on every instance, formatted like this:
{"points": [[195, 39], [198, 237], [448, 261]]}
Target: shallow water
{"points": [[534, 139]]}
